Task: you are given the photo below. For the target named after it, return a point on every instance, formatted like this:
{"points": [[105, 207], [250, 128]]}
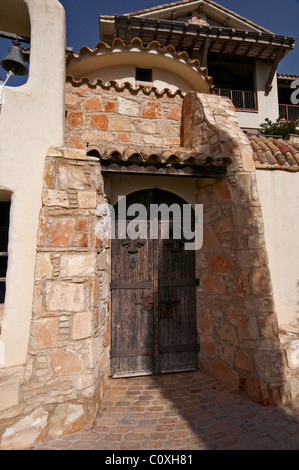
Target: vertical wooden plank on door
{"points": [[132, 305], [177, 309]]}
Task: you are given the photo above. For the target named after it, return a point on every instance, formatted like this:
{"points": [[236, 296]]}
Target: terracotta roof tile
{"points": [[184, 2], [287, 76], [271, 153]]}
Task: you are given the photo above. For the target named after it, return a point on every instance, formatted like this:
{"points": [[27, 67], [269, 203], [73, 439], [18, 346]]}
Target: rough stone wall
{"points": [[237, 323], [67, 366], [112, 117]]}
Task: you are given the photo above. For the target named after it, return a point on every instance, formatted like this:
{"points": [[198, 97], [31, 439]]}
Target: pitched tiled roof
{"points": [[184, 2], [285, 76], [270, 153]]}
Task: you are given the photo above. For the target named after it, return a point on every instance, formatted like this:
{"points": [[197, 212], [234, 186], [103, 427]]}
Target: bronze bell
{"points": [[14, 61]]}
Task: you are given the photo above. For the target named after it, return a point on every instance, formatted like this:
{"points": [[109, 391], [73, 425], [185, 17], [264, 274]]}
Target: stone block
{"points": [[83, 264], [81, 239], [25, 432], [93, 104], [53, 197], [175, 112], [121, 123], [64, 362], [9, 395], [258, 284], [100, 121], [243, 283], [84, 381], [72, 177], [147, 127], [93, 292], [225, 374], [43, 266], [223, 226], [292, 351], [61, 232], [213, 283], [75, 119], [205, 326], [220, 263], [128, 107], [49, 173], [75, 154], [67, 419], [228, 333], [208, 346], [210, 239], [243, 361], [254, 390], [123, 137], [74, 141], [82, 326], [166, 128], [110, 106], [37, 300], [82, 224], [247, 158], [152, 110], [65, 296], [87, 199], [248, 328], [222, 191], [44, 333]]}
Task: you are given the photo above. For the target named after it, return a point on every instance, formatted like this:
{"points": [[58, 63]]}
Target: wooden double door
{"points": [[153, 294]]}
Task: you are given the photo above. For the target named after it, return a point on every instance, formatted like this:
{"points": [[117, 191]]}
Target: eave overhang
{"points": [[231, 43]]}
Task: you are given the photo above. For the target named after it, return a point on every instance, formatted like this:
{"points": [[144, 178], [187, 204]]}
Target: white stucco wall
{"points": [[119, 64], [267, 104], [121, 185], [31, 120], [279, 195], [162, 79]]}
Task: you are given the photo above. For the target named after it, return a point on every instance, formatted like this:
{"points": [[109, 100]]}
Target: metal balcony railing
{"points": [[289, 112], [245, 100]]}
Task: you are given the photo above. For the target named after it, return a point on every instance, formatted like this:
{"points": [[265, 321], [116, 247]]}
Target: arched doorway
{"points": [[153, 289]]}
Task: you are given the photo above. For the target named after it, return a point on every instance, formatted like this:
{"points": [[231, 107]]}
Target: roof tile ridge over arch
{"points": [[137, 42], [147, 90]]}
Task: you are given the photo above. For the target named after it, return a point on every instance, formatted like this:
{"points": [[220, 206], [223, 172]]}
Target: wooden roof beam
{"points": [[237, 46], [247, 52], [183, 36], [279, 55], [222, 49], [204, 60], [192, 46]]}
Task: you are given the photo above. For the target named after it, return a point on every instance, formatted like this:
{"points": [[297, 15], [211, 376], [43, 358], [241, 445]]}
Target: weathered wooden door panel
{"points": [[177, 321], [153, 300], [132, 318]]}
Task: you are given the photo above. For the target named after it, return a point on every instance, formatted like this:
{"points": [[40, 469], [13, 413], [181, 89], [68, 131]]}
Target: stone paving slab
{"points": [[183, 411]]}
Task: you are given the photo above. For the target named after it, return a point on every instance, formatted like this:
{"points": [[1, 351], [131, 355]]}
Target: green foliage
{"points": [[278, 127]]}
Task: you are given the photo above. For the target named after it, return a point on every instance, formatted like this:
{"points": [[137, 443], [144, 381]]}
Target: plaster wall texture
{"points": [[161, 78], [279, 195], [267, 104], [31, 120]]}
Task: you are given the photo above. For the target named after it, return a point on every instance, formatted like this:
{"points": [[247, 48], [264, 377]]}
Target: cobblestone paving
{"points": [[186, 411]]}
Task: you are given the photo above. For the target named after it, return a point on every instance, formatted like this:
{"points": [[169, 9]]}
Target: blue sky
{"points": [[279, 16]]}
